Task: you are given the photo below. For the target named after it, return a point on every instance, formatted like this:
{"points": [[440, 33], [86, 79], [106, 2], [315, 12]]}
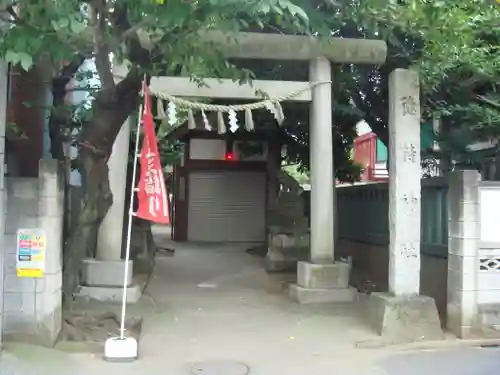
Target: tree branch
{"points": [[110, 112], [487, 101], [127, 33], [102, 58]]}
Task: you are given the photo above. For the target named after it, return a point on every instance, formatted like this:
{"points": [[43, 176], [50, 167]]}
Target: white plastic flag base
{"points": [[119, 349]]}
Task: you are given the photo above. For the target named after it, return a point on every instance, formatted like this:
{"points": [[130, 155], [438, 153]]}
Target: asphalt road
{"points": [[465, 361]]}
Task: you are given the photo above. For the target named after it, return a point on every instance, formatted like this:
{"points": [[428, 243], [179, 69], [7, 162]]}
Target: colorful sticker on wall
{"points": [[30, 255]]}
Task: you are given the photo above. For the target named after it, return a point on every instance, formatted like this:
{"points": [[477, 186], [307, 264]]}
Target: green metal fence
{"points": [[363, 215], [434, 214]]}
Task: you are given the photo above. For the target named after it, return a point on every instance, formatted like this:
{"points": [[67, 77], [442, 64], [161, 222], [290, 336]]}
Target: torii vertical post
{"points": [[321, 279], [321, 163], [109, 239]]}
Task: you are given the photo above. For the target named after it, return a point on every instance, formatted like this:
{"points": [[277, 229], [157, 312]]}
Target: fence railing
{"points": [[363, 215], [434, 217]]}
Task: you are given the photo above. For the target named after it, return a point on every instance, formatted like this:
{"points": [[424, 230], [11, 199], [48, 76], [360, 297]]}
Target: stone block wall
{"points": [[463, 244], [32, 308]]}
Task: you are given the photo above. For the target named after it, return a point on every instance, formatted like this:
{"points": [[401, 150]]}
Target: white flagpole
{"points": [[129, 228]]}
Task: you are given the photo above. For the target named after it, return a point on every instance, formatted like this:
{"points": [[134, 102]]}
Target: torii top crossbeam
{"points": [[299, 47], [268, 47]]}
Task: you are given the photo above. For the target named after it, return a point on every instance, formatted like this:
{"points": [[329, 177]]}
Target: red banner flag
{"points": [[152, 192]]}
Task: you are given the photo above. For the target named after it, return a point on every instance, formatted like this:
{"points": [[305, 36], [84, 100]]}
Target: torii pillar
{"points": [[321, 279], [103, 276]]}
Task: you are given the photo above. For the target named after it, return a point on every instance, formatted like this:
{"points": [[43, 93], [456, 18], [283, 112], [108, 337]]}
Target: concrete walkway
{"points": [[215, 303]]}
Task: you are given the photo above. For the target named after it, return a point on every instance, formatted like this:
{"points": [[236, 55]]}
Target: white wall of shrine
{"points": [[207, 149], [216, 149]]}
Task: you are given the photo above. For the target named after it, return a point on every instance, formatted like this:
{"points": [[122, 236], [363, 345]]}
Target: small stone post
{"points": [[320, 279], [402, 314]]}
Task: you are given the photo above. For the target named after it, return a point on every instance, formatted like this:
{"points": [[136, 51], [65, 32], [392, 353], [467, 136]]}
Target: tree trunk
{"points": [[111, 108], [83, 239]]}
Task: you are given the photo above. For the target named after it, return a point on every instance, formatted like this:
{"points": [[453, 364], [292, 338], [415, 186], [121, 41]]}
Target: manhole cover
{"points": [[219, 368]]}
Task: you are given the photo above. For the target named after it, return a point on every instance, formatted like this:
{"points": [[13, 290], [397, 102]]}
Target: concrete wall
{"points": [[32, 308], [370, 270]]}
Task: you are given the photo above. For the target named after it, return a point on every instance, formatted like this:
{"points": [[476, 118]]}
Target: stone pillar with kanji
{"points": [[403, 314]]}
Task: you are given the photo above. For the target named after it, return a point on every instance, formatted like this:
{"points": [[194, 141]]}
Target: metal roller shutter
{"points": [[227, 206]]}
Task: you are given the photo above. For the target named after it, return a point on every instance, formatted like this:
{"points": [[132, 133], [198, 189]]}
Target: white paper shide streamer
{"points": [[233, 121], [199, 109], [172, 113]]}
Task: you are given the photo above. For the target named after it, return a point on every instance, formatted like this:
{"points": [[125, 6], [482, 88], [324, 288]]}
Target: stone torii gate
{"points": [[320, 279]]}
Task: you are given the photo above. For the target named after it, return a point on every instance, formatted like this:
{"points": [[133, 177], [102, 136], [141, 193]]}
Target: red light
{"points": [[229, 156]]}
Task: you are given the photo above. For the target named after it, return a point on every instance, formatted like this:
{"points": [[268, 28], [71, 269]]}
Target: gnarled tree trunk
{"points": [[110, 110]]}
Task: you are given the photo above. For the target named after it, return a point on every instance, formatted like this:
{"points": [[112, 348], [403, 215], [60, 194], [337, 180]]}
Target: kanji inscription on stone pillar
{"points": [[404, 183], [410, 105], [411, 202], [410, 153]]}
